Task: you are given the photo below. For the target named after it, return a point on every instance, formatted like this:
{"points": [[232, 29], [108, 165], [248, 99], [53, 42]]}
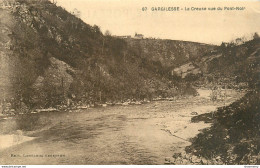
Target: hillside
{"points": [[170, 53], [233, 137], [230, 64], [51, 55]]}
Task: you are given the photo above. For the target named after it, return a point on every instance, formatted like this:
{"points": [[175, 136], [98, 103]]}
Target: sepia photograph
{"points": [[130, 82]]}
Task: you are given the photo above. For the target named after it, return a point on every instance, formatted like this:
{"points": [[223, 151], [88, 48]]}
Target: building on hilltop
{"points": [[123, 37], [138, 36]]}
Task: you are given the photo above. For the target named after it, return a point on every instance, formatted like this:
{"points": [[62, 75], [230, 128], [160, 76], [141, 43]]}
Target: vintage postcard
{"points": [[129, 82]]}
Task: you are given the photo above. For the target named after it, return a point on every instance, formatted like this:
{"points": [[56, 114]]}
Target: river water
{"points": [[137, 134]]}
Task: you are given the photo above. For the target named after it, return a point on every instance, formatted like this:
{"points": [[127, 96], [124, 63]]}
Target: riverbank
{"points": [[134, 134], [201, 92], [233, 137], [7, 141]]}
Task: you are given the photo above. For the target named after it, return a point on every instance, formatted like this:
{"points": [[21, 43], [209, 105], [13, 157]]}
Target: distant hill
{"points": [[170, 53], [229, 63]]}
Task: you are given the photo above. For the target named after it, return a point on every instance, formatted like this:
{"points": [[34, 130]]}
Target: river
{"points": [[135, 134]]}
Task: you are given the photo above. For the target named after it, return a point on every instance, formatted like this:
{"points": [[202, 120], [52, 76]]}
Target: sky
{"points": [[125, 17]]}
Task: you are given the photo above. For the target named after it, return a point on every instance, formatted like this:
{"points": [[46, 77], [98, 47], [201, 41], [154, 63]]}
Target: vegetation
{"points": [[55, 57], [49, 45], [234, 136]]}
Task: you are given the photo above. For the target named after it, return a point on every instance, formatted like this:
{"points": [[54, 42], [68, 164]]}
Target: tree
{"points": [[96, 29], [107, 33], [256, 36]]}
